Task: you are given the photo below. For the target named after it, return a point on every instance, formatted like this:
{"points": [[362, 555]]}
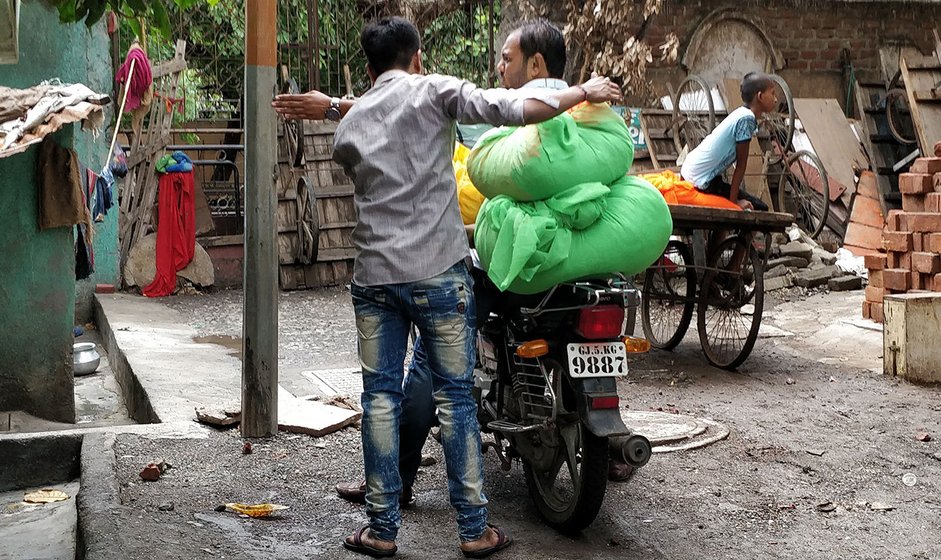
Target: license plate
{"points": [[597, 359]]}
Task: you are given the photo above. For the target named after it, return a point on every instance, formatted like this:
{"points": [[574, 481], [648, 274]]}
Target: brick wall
{"points": [[809, 35]]}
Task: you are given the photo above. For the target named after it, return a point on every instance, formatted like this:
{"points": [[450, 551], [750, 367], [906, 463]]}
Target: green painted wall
{"points": [[37, 279]]}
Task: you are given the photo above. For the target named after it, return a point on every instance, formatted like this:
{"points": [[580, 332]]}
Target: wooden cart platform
{"points": [[703, 217]]}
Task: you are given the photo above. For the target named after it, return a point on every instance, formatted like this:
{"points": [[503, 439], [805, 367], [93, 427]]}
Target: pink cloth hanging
{"points": [[141, 79]]}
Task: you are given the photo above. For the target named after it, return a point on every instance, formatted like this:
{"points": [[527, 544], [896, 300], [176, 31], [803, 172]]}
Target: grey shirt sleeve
{"points": [[464, 102]]}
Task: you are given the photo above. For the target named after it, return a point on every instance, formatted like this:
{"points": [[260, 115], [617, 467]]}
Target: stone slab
{"points": [[797, 249], [814, 278], [791, 262], [141, 266], [310, 417], [845, 283], [778, 283]]}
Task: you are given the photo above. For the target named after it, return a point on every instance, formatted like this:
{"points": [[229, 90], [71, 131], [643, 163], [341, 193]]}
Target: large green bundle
{"points": [[586, 230], [588, 144]]}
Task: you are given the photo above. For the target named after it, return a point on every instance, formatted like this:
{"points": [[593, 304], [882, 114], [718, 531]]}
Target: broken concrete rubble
{"points": [[776, 272], [845, 283], [790, 262], [824, 256], [812, 278], [778, 283], [797, 249], [804, 263]]}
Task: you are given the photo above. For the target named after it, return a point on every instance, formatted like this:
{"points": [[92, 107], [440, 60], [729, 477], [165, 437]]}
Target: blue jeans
{"points": [[442, 308], [418, 414]]}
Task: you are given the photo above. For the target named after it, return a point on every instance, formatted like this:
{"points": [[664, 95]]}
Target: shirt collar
{"points": [[546, 83], [389, 75]]}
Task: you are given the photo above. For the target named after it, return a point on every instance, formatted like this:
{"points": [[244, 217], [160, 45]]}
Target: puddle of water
{"points": [[259, 545], [233, 343]]}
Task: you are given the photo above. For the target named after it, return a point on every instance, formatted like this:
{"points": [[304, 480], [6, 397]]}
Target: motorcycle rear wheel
{"points": [[568, 496]]}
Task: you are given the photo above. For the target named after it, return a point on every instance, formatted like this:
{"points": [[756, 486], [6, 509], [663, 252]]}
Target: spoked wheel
{"points": [[777, 126], [308, 222], [669, 297], [730, 303], [293, 128], [694, 114], [899, 117], [804, 191], [569, 474]]}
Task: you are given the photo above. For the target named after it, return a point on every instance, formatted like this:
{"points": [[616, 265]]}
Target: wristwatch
{"points": [[333, 112]]}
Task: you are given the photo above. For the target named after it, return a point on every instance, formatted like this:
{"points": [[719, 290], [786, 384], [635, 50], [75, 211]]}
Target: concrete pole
{"points": [[260, 308]]}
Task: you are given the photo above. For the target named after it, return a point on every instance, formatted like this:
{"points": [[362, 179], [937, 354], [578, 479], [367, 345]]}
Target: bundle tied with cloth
{"points": [[560, 205]]}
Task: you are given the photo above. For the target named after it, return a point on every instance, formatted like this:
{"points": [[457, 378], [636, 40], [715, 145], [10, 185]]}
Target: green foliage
{"points": [[458, 44], [152, 11], [455, 43]]}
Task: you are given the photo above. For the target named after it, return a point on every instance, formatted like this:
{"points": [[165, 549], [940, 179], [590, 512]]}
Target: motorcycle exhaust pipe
{"points": [[634, 450]]}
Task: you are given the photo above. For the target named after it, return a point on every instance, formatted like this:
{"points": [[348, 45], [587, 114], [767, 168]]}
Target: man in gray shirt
{"points": [[396, 144]]}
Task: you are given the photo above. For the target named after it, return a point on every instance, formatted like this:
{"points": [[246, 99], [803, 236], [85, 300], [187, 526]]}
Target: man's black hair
{"points": [[540, 36], [390, 43], [752, 83]]}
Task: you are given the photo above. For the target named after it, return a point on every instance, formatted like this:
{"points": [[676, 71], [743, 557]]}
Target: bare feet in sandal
{"points": [[493, 540], [364, 542]]}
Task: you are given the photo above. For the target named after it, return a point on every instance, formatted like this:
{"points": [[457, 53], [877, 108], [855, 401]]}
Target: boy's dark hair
{"points": [[390, 43], [540, 36], [752, 83]]}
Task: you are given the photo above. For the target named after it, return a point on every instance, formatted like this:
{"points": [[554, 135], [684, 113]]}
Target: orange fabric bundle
{"points": [[677, 190]]}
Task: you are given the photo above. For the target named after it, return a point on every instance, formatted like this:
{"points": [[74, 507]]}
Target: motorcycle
{"points": [[546, 388]]}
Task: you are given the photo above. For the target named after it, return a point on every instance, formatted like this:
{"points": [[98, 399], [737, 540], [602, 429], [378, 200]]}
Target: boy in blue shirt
{"points": [[729, 143]]}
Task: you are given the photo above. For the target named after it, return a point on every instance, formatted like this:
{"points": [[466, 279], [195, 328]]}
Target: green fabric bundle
{"points": [[580, 215], [589, 144], [585, 231]]}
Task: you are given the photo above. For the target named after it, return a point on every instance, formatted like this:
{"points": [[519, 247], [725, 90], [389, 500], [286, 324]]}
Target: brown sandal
{"points": [[357, 545], [503, 540]]}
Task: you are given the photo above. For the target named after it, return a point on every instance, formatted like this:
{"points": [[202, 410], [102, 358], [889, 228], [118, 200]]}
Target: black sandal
{"points": [[503, 541], [360, 547]]}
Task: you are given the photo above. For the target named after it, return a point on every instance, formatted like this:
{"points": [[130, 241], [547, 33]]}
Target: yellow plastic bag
{"points": [[468, 196]]}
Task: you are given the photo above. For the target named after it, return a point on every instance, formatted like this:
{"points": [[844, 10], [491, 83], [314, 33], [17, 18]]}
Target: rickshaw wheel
{"points": [[730, 303], [696, 118], [801, 177], [669, 297]]}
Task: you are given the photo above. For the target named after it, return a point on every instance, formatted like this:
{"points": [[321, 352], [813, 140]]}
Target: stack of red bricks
{"points": [[911, 238]]}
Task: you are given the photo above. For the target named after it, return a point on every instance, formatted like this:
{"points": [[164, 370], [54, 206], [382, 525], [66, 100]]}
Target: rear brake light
{"points": [[603, 321], [602, 403]]}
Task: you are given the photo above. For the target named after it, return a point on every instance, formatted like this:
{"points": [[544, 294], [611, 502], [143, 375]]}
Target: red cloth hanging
{"points": [[176, 231], [140, 81]]}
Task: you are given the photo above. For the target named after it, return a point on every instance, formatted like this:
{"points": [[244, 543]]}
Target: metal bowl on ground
{"points": [[85, 358]]}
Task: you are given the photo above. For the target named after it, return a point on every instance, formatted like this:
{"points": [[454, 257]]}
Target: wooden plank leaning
{"points": [[923, 74]]}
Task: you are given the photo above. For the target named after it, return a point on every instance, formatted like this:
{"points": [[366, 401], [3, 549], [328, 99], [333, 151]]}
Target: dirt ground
{"points": [[813, 468]]}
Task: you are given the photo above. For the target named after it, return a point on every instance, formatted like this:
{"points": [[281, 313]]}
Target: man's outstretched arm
{"points": [[596, 90], [312, 105]]}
